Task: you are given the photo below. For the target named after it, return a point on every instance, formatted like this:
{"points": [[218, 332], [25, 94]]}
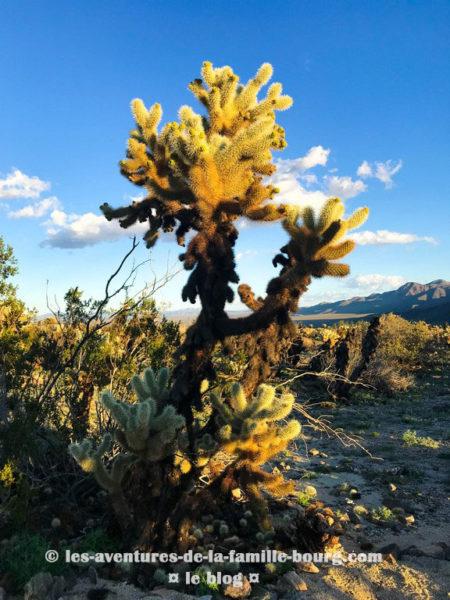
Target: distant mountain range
{"points": [[415, 301]]}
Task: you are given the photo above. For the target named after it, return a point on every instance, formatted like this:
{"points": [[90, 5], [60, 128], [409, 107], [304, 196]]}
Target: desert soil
{"points": [[411, 482]]}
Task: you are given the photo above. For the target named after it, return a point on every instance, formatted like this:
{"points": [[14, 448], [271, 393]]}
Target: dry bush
{"points": [[403, 348], [387, 378]]}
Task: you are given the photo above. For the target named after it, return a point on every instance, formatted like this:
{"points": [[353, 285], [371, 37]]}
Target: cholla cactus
{"points": [[250, 433], [315, 243], [213, 164], [91, 461], [148, 428], [248, 426]]}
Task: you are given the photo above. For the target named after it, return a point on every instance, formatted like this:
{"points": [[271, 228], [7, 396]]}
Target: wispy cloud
{"points": [[383, 236], [383, 171], [18, 185], [78, 231], [36, 210]]}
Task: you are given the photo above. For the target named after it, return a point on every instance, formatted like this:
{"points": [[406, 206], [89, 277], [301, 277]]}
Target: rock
{"points": [[56, 523], [390, 559], [393, 549], [233, 540], [308, 567], [409, 519], [361, 510], [44, 587], [392, 487], [293, 581], [314, 452], [236, 493], [354, 493], [365, 543], [355, 518], [414, 551], [92, 574], [166, 594], [260, 593], [311, 491], [238, 591]]}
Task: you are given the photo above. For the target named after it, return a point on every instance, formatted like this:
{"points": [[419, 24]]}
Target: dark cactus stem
{"points": [[369, 346], [214, 271], [342, 355]]}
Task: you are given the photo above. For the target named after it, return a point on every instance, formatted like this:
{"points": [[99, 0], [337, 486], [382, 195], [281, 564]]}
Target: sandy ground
{"points": [[411, 482]]}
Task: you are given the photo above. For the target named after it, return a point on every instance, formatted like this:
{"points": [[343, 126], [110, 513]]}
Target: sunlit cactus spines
{"points": [[206, 166]]}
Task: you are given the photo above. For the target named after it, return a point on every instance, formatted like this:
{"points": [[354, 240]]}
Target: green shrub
{"points": [[25, 557], [410, 438]]}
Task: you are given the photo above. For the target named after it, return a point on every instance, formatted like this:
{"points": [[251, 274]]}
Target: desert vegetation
{"points": [[120, 430]]}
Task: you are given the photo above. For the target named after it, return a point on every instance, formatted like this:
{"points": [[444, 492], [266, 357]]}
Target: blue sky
{"points": [[370, 122]]}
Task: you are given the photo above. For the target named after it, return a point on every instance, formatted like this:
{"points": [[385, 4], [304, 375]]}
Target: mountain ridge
{"points": [[409, 298]]}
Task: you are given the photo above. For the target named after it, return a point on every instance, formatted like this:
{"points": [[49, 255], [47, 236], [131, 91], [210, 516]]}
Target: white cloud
{"points": [[309, 178], [383, 236], [77, 231], [316, 156], [18, 185], [344, 187], [292, 191], [375, 282], [246, 254], [39, 209], [305, 189], [383, 171], [364, 170]]}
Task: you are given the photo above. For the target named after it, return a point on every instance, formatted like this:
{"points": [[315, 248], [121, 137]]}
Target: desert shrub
{"points": [[403, 347], [404, 342], [24, 556], [410, 438], [387, 377]]}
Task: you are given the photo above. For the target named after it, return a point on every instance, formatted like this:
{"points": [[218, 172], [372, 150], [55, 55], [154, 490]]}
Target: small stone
{"points": [[39, 587], [308, 567], [314, 452], [355, 518], [292, 580], [92, 574], [353, 493], [56, 523], [409, 519], [393, 549], [414, 551], [310, 491], [390, 559], [238, 591], [392, 487], [361, 510], [232, 541]]}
